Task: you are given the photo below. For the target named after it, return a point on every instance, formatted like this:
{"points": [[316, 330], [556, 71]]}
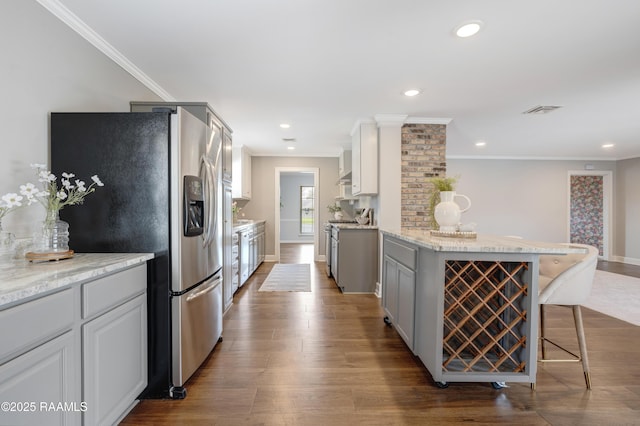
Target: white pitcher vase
{"points": [[447, 212]]}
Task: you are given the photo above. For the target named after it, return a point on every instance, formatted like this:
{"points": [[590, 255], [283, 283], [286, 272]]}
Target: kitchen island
{"points": [[74, 335], [467, 307]]}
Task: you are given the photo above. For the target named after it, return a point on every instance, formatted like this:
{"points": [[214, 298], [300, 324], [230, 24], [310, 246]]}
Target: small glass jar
{"points": [[7, 242]]}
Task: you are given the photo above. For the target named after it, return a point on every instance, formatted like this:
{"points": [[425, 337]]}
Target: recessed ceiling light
{"points": [[608, 145], [469, 28], [481, 143], [542, 109], [285, 125], [291, 148], [412, 92]]}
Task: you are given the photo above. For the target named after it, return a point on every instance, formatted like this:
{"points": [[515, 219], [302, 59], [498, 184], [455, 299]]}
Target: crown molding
{"points": [[428, 120], [525, 158], [360, 121], [72, 21], [390, 120]]}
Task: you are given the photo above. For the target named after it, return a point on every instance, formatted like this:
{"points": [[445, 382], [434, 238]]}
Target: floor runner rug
{"points": [[288, 277], [616, 295]]}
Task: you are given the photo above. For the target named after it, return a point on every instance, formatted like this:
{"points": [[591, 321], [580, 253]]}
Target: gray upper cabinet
{"points": [[218, 129], [242, 173], [344, 165], [227, 156], [364, 159]]}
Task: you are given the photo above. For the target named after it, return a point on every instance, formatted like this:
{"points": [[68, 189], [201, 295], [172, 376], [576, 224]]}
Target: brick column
{"points": [[423, 157]]}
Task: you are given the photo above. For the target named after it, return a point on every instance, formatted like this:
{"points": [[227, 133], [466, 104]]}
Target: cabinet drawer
{"points": [[104, 293], [401, 253], [29, 324]]}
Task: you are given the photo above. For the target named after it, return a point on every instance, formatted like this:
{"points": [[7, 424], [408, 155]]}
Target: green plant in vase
{"points": [[336, 210]]}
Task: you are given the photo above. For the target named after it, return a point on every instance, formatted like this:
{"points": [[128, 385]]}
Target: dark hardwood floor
{"points": [[324, 358], [619, 268]]}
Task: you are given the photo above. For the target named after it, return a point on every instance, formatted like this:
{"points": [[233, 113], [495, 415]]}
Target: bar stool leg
{"points": [[582, 343]]}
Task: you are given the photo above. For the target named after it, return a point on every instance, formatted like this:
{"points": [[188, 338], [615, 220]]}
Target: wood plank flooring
{"points": [[324, 358]]}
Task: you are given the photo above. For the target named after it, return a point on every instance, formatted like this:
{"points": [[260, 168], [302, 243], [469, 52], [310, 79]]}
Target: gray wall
{"points": [[262, 204], [290, 210], [529, 198], [627, 209], [47, 67]]}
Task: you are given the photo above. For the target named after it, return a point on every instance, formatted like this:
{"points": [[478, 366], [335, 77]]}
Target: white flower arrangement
{"points": [[50, 196], [8, 203], [54, 198]]}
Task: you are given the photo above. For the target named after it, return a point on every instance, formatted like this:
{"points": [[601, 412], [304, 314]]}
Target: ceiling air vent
{"points": [[288, 140], [542, 109]]}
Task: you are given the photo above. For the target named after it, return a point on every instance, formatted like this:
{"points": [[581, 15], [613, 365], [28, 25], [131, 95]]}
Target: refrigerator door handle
{"points": [[209, 221], [200, 293], [214, 202]]}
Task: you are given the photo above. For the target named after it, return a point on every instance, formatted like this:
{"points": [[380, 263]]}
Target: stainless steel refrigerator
{"points": [[161, 194]]}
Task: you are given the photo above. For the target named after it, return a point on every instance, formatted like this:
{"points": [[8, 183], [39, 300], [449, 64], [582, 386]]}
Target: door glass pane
{"points": [[306, 209]]}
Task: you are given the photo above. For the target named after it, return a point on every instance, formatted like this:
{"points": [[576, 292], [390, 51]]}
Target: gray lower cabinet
{"points": [[244, 236], [45, 375], [77, 356], [354, 255], [399, 288], [251, 242], [115, 361], [256, 247]]}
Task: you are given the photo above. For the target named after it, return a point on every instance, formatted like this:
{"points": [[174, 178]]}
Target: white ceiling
{"points": [[322, 65]]}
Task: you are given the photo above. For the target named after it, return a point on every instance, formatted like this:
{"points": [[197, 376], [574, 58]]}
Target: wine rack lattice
{"points": [[484, 316]]}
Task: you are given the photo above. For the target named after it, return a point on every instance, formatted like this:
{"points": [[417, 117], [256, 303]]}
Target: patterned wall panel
{"points": [[587, 211]]}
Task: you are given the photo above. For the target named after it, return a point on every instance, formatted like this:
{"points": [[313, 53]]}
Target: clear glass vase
{"points": [[7, 242], [53, 236]]}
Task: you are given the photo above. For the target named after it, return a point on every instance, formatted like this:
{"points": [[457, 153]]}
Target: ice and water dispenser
{"points": [[193, 206]]}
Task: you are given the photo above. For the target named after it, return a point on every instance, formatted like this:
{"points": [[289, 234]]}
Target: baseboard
{"points": [[378, 290], [622, 259], [322, 258]]}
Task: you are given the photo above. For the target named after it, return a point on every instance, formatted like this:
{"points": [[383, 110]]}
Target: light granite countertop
{"points": [[21, 279], [481, 244], [246, 222], [353, 226]]}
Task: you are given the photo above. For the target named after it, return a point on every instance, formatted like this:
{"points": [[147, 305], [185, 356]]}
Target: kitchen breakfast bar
{"points": [[467, 307]]}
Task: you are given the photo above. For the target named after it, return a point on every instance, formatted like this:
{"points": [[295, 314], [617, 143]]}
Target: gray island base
{"points": [[468, 308]]}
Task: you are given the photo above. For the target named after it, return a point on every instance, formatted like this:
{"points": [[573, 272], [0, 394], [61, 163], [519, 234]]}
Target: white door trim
{"points": [[607, 206], [316, 217]]}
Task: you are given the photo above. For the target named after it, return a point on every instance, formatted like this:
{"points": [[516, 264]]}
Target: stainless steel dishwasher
{"points": [[244, 254], [327, 247], [335, 232]]}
